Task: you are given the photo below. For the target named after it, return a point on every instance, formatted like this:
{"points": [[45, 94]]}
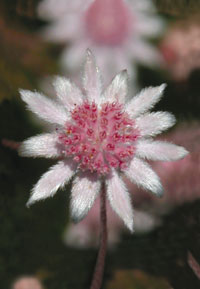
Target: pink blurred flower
{"points": [[181, 179], [98, 136], [86, 233], [27, 282], [181, 49], [116, 30]]}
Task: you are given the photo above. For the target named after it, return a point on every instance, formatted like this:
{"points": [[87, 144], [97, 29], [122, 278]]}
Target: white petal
{"points": [[85, 189], [67, 92], [45, 108], [57, 177], [145, 100], [150, 26], [44, 145], [63, 30], [92, 78], [159, 150], [79, 235], [142, 6], [118, 89], [72, 57], [146, 53], [48, 10], [140, 173], [145, 222], [119, 199], [151, 124], [52, 9]]}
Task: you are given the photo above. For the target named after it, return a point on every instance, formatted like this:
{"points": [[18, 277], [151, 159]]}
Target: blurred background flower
{"points": [[27, 282], [180, 178], [181, 48], [31, 240], [86, 234], [117, 31]]}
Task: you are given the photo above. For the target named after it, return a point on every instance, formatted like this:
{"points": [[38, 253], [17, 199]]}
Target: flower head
{"points": [[114, 29], [98, 136], [27, 282], [181, 48]]}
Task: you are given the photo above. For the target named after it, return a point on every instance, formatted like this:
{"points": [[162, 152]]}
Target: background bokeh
{"points": [[31, 239]]}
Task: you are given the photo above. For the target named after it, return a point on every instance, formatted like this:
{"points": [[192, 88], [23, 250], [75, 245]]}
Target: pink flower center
{"points": [[99, 138], [108, 22]]}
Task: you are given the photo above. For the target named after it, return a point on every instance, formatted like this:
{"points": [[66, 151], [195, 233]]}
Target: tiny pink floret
{"points": [[108, 22], [99, 139]]}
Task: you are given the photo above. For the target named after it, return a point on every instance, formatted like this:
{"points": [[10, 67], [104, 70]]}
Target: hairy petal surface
{"points": [[67, 92], [159, 150], [140, 173], [118, 89], [85, 189], [92, 78], [57, 177], [154, 123], [43, 145], [45, 108], [145, 100], [119, 199]]}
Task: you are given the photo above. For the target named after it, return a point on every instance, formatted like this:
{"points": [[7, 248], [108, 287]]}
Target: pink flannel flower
{"points": [[181, 48], [116, 30], [98, 136]]}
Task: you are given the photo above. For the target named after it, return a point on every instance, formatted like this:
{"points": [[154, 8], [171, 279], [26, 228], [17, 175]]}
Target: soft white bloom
{"points": [[99, 136], [27, 282], [116, 30]]}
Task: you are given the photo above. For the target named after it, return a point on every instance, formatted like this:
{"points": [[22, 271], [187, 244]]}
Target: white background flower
{"points": [[88, 156], [116, 30], [27, 282]]}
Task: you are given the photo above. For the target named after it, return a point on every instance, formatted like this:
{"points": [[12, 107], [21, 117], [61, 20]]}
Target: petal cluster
{"points": [[116, 30], [98, 136]]}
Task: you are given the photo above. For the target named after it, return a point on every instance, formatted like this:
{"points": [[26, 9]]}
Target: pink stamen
{"points": [[107, 143], [110, 147], [102, 135]]}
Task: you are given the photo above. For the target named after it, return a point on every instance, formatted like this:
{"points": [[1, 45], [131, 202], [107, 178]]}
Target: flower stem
{"points": [[99, 268], [10, 144]]}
